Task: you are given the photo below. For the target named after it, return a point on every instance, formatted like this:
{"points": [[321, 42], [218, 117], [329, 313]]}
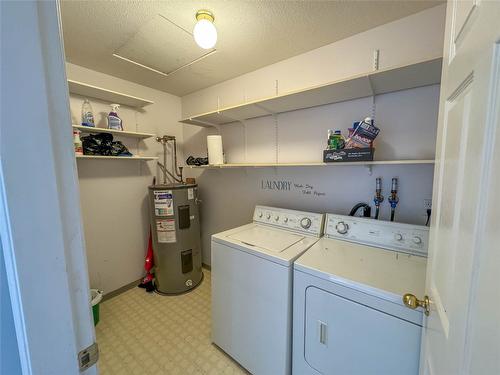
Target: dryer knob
{"points": [[285, 220], [305, 223], [417, 240], [342, 227], [398, 236], [276, 218], [268, 216], [260, 214]]}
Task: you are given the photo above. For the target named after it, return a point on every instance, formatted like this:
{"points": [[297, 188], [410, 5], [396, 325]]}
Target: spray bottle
{"points": [[114, 122]]}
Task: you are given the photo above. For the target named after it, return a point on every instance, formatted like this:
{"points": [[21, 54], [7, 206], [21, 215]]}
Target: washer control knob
{"points": [[285, 220], [268, 216], [260, 214], [305, 223], [398, 236], [276, 218], [417, 240], [342, 227]]}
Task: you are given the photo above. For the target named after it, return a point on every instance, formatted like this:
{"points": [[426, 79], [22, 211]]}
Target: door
{"points": [[41, 237], [462, 332]]}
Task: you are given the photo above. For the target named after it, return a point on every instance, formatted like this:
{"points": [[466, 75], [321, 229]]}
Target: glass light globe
{"points": [[205, 34]]}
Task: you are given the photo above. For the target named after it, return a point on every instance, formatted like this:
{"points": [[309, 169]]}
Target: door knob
{"points": [[413, 302]]}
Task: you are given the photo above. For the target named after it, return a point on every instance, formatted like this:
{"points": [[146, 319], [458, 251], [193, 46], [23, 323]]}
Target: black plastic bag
{"points": [[103, 144]]}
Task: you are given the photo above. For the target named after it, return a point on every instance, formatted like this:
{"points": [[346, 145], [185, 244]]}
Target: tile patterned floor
{"points": [[148, 334]]}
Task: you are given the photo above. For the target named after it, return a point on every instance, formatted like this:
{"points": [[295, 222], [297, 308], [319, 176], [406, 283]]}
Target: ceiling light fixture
{"points": [[205, 33]]}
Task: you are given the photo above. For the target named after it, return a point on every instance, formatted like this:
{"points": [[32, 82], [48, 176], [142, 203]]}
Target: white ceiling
{"points": [[252, 34]]}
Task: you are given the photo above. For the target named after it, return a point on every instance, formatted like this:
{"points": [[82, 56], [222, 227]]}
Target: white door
{"points": [[462, 332], [40, 226]]}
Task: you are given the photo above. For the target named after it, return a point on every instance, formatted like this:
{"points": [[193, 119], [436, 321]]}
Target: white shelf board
{"points": [[312, 164], [110, 96], [417, 74], [123, 133], [135, 157]]}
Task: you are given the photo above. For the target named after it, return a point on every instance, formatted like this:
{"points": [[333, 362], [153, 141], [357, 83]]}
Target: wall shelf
{"points": [[312, 164], [110, 96], [417, 74], [123, 133], [135, 157]]}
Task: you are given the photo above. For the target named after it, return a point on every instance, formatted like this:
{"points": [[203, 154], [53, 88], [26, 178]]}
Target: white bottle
{"points": [[114, 122], [77, 142]]}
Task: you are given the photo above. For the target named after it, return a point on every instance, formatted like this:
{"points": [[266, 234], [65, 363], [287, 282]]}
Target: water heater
{"points": [[175, 225]]}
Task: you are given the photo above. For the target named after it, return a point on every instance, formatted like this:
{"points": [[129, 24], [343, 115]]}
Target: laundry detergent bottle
{"points": [[114, 122]]}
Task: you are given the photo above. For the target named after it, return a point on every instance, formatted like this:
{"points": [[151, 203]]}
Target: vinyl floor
{"points": [[143, 333]]}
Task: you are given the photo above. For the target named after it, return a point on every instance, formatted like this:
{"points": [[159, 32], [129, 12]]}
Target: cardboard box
{"points": [[348, 155]]}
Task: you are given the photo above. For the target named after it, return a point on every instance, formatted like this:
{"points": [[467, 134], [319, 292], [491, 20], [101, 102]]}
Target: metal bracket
{"points": [[369, 168], [376, 59], [88, 357]]}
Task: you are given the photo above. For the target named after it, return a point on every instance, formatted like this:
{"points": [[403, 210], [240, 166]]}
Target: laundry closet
{"points": [[269, 148]]}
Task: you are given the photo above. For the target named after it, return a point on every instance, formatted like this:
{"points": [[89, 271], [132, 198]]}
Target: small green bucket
{"points": [[96, 296]]}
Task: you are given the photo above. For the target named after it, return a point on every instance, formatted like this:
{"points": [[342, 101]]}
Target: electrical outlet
{"points": [[428, 204]]}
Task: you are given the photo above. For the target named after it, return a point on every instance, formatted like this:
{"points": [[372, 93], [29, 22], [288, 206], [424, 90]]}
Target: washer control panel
{"points": [[407, 238], [305, 222]]}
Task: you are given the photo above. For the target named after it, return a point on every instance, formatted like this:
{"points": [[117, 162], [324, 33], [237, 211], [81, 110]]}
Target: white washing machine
{"points": [[348, 314], [252, 286]]}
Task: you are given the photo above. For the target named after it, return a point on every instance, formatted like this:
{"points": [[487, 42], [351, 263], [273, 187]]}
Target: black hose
{"points": [[392, 214], [366, 209], [377, 211]]}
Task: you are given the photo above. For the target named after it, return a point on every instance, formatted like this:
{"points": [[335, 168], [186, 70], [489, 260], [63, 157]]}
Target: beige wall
{"points": [[413, 38], [407, 120], [113, 192]]}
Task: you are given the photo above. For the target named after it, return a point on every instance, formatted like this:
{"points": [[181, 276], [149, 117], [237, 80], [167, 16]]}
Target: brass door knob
{"points": [[413, 302]]}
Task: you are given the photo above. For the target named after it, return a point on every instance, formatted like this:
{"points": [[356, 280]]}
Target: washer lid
{"points": [[266, 238]]}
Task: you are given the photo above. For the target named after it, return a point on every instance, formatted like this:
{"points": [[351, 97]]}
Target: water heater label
{"points": [[165, 229], [164, 203], [190, 193]]}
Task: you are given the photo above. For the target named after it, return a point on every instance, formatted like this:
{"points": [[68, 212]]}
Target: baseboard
{"points": [[121, 290], [134, 284]]}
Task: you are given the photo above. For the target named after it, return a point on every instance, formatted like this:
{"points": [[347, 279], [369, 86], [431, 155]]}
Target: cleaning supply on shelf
{"points": [[362, 134], [77, 142], [114, 122], [335, 140], [214, 146], [87, 114]]}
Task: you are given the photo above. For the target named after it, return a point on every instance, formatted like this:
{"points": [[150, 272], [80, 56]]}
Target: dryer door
{"points": [[345, 337]]}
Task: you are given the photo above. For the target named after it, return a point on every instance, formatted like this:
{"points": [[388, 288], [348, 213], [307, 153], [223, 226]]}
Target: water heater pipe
{"points": [[177, 170]]}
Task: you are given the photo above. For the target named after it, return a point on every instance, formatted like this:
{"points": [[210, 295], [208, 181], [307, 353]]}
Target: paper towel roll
{"points": [[214, 145]]}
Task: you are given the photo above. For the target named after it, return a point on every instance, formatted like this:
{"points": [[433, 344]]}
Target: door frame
{"points": [[40, 220]]}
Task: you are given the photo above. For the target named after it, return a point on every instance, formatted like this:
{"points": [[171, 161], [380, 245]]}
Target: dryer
{"points": [[348, 315], [252, 286]]}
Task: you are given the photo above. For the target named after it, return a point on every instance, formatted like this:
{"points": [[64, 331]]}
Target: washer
{"points": [[252, 286], [349, 317]]}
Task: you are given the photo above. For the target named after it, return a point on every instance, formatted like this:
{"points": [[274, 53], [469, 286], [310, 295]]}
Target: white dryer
{"points": [[348, 315], [252, 286]]}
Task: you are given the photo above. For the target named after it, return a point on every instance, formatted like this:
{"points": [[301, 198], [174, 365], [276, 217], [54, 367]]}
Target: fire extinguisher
{"points": [[147, 281]]}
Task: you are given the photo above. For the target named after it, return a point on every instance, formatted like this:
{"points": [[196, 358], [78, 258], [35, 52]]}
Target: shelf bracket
{"points": [[376, 59], [369, 169], [265, 109], [205, 123]]}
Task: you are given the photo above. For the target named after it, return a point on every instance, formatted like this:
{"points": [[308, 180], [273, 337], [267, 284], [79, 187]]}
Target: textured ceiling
{"points": [[251, 34]]}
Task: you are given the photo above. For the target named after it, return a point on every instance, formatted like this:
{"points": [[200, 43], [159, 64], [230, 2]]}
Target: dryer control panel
{"points": [[299, 221], [407, 238]]}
